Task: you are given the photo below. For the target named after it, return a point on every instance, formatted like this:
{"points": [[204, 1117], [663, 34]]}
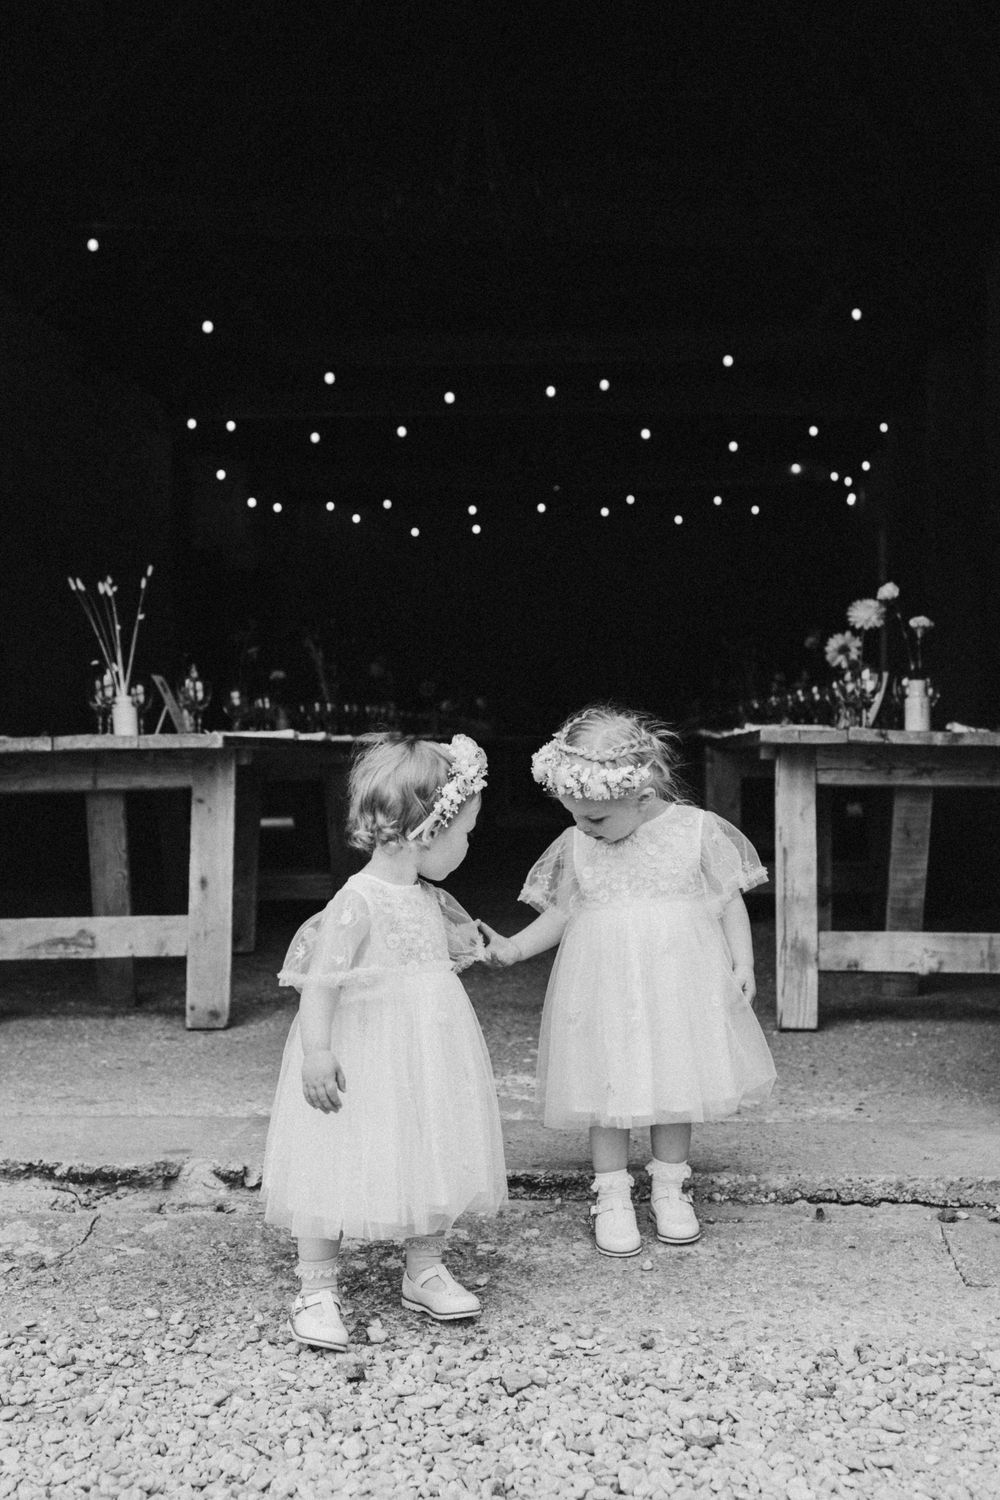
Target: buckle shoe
{"points": [[673, 1217], [435, 1291], [316, 1319], [615, 1229]]}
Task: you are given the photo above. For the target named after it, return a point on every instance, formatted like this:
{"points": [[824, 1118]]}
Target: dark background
{"points": [[489, 199]]}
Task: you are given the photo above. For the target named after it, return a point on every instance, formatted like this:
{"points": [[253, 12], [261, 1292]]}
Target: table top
{"points": [[824, 734]]}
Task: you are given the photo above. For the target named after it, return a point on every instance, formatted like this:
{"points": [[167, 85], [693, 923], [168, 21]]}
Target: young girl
{"points": [[385, 1122], [648, 1018]]}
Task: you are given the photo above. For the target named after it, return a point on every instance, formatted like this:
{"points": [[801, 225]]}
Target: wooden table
{"points": [[912, 765], [104, 768]]}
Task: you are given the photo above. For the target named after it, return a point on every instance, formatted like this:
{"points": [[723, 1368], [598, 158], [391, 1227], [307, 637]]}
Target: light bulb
{"points": [[356, 519], [387, 505], [629, 499], [848, 480], [472, 510], [314, 437], [604, 385], [540, 507], [851, 498], [93, 244], [449, 398], [192, 424], [476, 530], [716, 499], [727, 360], [678, 520], [865, 466], [834, 475], [814, 432], [414, 530], [329, 505], [220, 473], [605, 511], [755, 510], [796, 468], [208, 326], [230, 426], [251, 502], [883, 427], [329, 377], [276, 507], [733, 446], [856, 314], [400, 431], [550, 390], [645, 434]]}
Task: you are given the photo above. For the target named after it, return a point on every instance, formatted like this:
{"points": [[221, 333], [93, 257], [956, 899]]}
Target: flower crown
{"points": [[466, 777], [557, 767]]}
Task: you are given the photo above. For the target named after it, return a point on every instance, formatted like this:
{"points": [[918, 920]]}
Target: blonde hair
{"points": [[393, 782], [624, 737]]}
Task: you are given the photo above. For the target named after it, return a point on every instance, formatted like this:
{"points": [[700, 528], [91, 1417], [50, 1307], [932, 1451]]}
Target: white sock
{"points": [[422, 1251], [315, 1275], [668, 1173], [606, 1182]]}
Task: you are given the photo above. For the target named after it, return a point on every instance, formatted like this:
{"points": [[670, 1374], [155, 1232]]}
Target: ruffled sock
{"points": [[318, 1275], [422, 1251]]}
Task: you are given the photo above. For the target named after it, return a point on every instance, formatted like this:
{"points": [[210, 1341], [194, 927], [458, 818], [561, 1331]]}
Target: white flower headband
{"points": [[589, 775], [466, 777]]}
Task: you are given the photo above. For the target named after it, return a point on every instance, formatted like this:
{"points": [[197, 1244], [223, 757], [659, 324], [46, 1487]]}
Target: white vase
{"points": [[124, 716], [917, 704]]}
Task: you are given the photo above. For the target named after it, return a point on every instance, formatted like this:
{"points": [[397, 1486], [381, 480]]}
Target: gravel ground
{"points": [[796, 1351]]}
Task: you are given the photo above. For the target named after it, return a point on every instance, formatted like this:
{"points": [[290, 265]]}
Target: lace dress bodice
{"points": [[373, 929], [683, 853]]}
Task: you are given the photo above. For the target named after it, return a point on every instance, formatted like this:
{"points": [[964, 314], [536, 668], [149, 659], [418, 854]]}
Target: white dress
{"points": [[644, 1022], [418, 1139]]}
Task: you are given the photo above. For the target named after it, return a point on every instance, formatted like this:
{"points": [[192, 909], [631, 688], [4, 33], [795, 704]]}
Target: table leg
{"points": [[824, 857], [796, 886], [110, 886], [908, 852], [210, 893], [247, 859]]}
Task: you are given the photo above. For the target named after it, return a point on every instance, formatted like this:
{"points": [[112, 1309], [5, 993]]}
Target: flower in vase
{"points": [[117, 647], [843, 650], [912, 631], [866, 614]]}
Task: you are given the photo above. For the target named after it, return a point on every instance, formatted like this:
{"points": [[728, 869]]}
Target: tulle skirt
{"points": [[418, 1139], [645, 1024]]}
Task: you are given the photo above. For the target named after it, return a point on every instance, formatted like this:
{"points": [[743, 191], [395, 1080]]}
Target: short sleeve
{"points": [[552, 879], [729, 862], [327, 947], [465, 941]]}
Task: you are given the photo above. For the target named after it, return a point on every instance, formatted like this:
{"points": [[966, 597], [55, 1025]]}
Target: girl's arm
{"points": [[322, 1076], [544, 932], [736, 926]]}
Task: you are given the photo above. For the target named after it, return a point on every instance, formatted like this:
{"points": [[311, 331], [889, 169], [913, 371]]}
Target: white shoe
{"points": [[435, 1291], [673, 1217], [316, 1319], [615, 1229]]}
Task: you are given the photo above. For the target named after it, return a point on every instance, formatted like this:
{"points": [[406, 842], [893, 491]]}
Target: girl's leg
{"points": [[428, 1285], [615, 1229], [670, 1142], [316, 1316], [675, 1219]]}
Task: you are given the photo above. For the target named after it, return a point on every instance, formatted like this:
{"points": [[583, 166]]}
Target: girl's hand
{"points": [[744, 977], [500, 952], [323, 1081]]}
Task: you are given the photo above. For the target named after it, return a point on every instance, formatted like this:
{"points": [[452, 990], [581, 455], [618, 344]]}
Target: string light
{"points": [[865, 466], [93, 244], [329, 377], [220, 473], [755, 510], [356, 519], [883, 427], [192, 424], [727, 360], [329, 505], [400, 431], [678, 520], [814, 432], [605, 511], [834, 475], [230, 426], [716, 499], [208, 326], [387, 505], [449, 398], [629, 499], [848, 480], [414, 530], [733, 446], [645, 434], [314, 437], [276, 507], [251, 503], [604, 385], [796, 468], [540, 507], [856, 314], [476, 530], [550, 390], [473, 509], [851, 498]]}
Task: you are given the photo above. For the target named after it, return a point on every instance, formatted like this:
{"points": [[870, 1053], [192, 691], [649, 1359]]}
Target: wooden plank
{"points": [[110, 886], [119, 772], [111, 744], [824, 859], [104, 938], [911, 953], [796, 885], [909, 846], [210, 892], [858, 766], [246, 859], [24, 744], [295, 885]]}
